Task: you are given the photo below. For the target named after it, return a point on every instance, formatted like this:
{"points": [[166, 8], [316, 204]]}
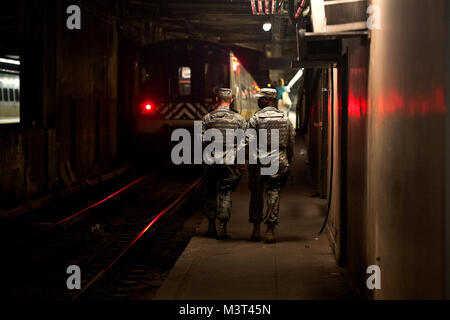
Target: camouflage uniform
{"points": [[270, 118], [221, 179]]}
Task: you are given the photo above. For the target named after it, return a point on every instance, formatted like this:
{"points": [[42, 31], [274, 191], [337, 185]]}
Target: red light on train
{"points": [[147, 107], [235, 63]]}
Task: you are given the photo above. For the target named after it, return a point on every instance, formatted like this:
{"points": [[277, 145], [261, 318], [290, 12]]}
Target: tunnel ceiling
{"points": [[229, 22]]}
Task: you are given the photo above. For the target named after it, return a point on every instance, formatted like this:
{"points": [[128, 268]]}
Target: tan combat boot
{"points": [[269, 237], [256, 235], [222, 233]]}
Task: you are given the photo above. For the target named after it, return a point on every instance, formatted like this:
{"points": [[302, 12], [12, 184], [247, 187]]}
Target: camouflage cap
{"points": [[224, 93], [268, 93]]}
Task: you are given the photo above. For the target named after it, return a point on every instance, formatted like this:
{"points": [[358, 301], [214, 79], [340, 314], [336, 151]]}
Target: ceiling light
{"points": [[267, 26]]}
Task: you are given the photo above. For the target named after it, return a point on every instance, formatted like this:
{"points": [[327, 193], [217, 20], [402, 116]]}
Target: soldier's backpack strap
{"points": [[217, 112], [273, 115], [224, 119]]}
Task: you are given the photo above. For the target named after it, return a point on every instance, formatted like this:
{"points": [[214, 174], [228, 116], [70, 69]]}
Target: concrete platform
{"points": [[297, 267]]}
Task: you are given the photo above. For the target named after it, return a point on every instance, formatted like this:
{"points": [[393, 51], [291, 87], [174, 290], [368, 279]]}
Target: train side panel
{"points": [[244, 88], [9, 98]]}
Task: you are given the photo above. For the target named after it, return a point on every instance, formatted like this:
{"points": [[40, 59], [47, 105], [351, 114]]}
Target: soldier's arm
{"points": [[242, 123], [291, 142], [252, 122], [250, 126], [242, 144], [204, 125], [204, 128]]}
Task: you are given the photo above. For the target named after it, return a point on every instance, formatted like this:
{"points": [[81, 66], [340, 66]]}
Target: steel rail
{"points": [[171, 206], [65, 220]]}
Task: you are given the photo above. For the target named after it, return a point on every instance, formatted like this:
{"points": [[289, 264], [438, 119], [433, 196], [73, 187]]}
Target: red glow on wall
{"points": [[395, 103], [357, 105], [357, 95]]}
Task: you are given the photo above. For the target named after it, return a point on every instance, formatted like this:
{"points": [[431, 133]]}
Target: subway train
{"points": [[177, 83], [9, 96]]}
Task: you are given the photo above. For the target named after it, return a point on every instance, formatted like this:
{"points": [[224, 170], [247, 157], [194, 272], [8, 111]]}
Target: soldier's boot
{"points": [[269, 237], [212, 232], [222, 233], [256, 235]]}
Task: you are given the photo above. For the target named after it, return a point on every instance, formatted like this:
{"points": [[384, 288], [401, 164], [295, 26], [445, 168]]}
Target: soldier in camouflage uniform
{"points": [[269, 117], [221, 179]]}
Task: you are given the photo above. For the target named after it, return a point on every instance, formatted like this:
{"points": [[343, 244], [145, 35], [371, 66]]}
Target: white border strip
{"points": [[447, 170]]}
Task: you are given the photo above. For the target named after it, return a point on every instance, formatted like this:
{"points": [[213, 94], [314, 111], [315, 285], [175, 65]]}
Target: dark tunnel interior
{"points": [[113, 112]]}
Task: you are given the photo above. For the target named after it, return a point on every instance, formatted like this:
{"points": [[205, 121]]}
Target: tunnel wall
{"points": [[86, 99], [395, 200], [447, 169], [406, 147], [69, 97], [355, 197]]}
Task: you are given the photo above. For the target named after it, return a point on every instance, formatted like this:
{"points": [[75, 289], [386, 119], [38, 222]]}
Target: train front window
{"points": [[154, 82], [9, 89], [184, 81]]}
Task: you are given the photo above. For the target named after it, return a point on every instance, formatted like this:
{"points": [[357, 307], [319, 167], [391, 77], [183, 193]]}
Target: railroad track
{"points": [[95, 247], [140, 274], [38, 224], [129, 239]]}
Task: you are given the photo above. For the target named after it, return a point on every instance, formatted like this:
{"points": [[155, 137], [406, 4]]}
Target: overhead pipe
{"points": [[330, 191]]}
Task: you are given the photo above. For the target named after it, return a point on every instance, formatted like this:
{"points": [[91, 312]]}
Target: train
{"points": [[178, 79], [9, 92]]}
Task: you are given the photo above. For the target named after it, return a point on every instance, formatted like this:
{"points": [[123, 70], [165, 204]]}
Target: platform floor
{"points": [[297, 267]]}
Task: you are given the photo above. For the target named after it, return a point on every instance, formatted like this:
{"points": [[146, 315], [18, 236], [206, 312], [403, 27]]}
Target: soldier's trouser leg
{"points": [[224, 205], [226, 184], [256, 187], [273, 206], [274, 185], [210, 203]]}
